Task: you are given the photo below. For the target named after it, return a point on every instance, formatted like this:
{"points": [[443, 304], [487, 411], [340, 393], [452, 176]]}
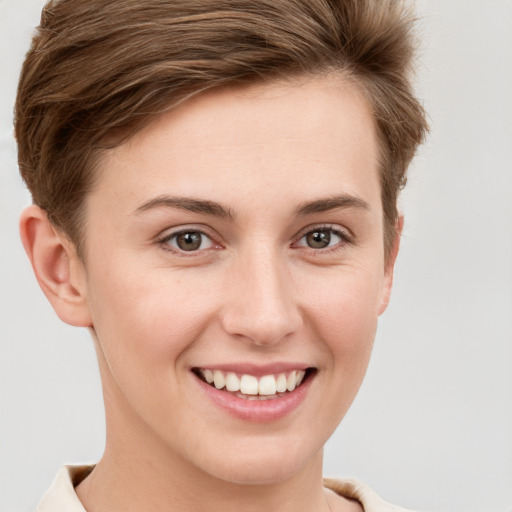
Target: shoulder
{"points": [[355, 490]]}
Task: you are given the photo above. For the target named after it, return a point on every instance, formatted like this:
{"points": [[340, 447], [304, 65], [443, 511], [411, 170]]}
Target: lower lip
{"points": [[258, 411]]}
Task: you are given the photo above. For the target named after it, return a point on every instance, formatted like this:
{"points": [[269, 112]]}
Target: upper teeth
{"points": [[251, 385]]}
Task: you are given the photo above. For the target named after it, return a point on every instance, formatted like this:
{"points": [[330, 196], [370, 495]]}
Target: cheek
{"points": [[344, 312], [146, 320], [345, 323], [144, 328]]}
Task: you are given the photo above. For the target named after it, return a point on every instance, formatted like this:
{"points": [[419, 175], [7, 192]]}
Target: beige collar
{"points": [[61, 496]]}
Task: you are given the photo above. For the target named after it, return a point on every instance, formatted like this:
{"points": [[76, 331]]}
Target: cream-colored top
{"points": [[61, 496]]}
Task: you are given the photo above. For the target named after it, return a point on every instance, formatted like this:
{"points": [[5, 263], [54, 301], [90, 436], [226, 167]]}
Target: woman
{"points": [[215, 189]]}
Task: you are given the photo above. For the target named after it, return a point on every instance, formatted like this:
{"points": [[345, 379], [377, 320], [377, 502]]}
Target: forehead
{"points": [[303, 137]]}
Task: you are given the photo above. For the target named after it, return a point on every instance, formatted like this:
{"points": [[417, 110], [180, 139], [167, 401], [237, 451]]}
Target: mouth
{"points": [[252, 387]]}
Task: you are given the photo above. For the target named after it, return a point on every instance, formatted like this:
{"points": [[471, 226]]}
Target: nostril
{"points": [[261, 305], [263, 328]]}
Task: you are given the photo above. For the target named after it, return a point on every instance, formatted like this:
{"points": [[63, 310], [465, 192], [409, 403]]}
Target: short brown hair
{"points": [[99, 70]]}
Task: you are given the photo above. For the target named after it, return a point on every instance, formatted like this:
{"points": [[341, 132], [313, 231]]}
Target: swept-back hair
{"points": [[99, 70]]}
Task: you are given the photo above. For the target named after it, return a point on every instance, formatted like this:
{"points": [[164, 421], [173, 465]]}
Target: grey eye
{"points": [[190, 241], [320, 238]]}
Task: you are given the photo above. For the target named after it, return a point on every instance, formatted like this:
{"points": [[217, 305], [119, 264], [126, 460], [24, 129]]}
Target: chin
{"points": [[261, 465], [258, 474]]}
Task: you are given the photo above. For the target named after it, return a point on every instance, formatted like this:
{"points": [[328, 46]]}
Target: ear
{"points": [[57, 267], [390, 266]]}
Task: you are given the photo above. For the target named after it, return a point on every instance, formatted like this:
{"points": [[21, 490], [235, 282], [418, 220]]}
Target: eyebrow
{"points": [[332, 203], [188, 204], [216, 210]]}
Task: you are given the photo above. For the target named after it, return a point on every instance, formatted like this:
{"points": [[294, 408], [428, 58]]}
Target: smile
{"points": [[251, 387]]}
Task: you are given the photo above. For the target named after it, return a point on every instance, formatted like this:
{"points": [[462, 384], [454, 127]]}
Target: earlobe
{"points": [[57, 268], [390, 266]]}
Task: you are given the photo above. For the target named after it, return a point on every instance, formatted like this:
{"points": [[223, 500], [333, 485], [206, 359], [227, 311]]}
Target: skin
{"points": [[253, 293]]}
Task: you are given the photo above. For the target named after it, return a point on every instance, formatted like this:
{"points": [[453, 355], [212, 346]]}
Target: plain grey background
{"points": [[432, 426]]}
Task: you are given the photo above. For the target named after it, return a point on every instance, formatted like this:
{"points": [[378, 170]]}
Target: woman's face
{"points": [[238, 238]]}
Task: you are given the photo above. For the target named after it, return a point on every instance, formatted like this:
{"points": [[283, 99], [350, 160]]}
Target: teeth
{"points": [[291, 382], [218, 379], [208, 376], [232, 382], [263, 388], [267, 385], [249, 385], [281, 383]]}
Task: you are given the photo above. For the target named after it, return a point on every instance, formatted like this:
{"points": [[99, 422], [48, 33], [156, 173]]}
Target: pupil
{"points": [[189, 241], [319, 239]]}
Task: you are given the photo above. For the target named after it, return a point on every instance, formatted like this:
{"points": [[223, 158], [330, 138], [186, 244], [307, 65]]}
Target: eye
{"points": [[322, 238], [188, 241]]}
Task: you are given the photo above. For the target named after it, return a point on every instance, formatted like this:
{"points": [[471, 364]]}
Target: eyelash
{"points": [[165, 240], [345, 239]]}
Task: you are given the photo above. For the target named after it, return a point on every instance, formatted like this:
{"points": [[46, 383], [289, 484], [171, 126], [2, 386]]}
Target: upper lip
{"points": [[255, 369]]}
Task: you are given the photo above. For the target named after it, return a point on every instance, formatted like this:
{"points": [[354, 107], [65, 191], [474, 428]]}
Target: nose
{"points": [[262, 305]]}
